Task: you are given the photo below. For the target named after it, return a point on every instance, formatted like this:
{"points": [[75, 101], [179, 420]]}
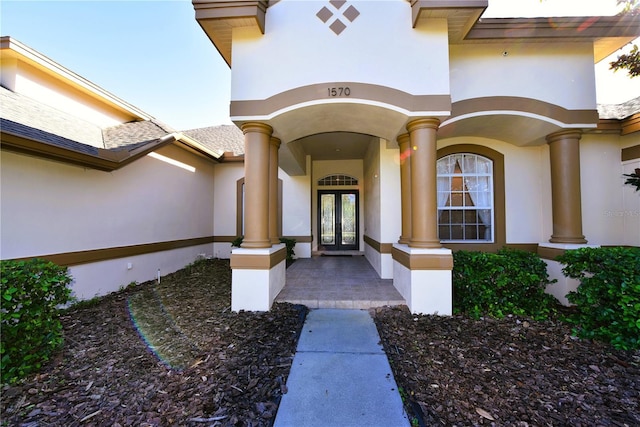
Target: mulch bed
{"points": [[230, 368], [455, 371], [211, 367]]}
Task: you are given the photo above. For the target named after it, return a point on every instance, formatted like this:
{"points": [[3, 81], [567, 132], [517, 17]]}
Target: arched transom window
{"points": [[337, 179], [465, 198]]}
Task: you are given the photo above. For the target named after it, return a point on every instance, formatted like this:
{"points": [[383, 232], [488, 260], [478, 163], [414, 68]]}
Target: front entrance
{"points": [[338, 220]]}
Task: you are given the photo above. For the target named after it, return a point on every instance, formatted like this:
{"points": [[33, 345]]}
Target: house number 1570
{"points": [[338, 91]]}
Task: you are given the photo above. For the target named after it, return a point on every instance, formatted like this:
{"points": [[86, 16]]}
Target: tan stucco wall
{"points": [[527, 190], [372, 193], [610, 209], [36, 84], [296, 205], [382, 191], [224, 193], [307, 45], [52, 208], [560, 74], [383, 220]]}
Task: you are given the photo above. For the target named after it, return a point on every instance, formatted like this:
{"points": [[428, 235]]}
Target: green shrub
{"points": [[508, 282], [290, 244], [237, 241], [608, 297], [32, 293]]}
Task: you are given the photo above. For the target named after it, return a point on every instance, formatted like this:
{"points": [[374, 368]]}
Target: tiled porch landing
{"points": [[337, 282]]}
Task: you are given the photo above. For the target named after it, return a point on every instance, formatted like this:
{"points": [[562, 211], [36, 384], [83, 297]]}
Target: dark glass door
{"points": [[338, 220]]}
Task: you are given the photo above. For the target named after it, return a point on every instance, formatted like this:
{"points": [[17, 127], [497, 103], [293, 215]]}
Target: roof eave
{"points": [[12, 47], [607, 33], [104, 160]]}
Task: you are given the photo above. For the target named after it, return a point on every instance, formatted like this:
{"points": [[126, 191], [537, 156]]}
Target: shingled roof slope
{"points": [[25, 131], [134, 133], [619, 111], [222, 138], [22, 109]]}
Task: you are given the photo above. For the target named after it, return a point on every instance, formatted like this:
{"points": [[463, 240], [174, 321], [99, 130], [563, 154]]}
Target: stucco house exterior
{"points": [[400, 130]]}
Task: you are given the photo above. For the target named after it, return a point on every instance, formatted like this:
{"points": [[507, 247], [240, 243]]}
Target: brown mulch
{"points": [[174, 354], [455, 371], [209, 366]]}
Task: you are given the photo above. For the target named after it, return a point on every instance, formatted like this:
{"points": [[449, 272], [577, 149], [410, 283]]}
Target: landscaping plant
{"points": [[608, 298], [32, 294], [508, 282], [290, 244]]}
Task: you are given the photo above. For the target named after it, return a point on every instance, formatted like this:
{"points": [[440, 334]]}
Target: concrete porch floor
{"points": [[347, 282]]}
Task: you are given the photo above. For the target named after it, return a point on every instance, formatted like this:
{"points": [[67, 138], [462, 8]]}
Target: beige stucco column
{"points": [[424, 202], [564, 148], [256, 185], [274, 145], [404, 143]]}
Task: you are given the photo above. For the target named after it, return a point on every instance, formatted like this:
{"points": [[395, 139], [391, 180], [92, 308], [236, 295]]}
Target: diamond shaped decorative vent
{"points": [[337, 16]]}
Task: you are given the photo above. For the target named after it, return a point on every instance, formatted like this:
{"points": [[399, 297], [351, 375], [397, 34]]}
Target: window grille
{"points": [[465, 198], [337, 180]]}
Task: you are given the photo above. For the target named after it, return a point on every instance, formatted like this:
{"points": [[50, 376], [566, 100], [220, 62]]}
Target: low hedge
{"points": [[31, 296], [508, 282], [607, 300]]}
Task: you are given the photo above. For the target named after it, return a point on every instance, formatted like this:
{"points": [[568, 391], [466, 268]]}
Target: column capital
{"points": [[256, 127], [275, 141], [564, 134], [424, 123], [403, 139]]}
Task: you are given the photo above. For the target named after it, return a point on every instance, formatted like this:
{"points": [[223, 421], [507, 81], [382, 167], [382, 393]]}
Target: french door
{"points": [[338, 220]]}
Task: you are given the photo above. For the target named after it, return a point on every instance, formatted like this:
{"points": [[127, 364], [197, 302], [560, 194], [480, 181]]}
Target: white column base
{"points": [[255, 289], [563, 284], [426, 291]]}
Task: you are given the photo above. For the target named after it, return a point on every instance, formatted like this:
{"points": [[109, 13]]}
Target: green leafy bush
{"points": [[608, 297], [508, 282], [290, 244], [32, 293]]}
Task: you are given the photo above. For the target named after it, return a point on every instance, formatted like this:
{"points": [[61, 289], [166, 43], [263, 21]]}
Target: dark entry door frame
{"points": [[338, 220]]}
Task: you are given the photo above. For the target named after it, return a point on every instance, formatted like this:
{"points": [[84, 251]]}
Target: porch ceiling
{"points": [[517, 130], [335, 145]]}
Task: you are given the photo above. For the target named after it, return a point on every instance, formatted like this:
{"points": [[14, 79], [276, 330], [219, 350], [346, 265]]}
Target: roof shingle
{"points": [[222, 138]]}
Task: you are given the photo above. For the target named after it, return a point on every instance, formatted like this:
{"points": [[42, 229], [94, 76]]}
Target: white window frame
{"points": [[445, 168]]}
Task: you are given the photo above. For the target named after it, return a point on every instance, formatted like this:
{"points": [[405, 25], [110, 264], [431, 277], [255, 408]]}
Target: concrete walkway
{"points": [[340, 376]]}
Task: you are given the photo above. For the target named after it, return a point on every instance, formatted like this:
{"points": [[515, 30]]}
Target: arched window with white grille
{"points": [[337, 179], [465, 198]]}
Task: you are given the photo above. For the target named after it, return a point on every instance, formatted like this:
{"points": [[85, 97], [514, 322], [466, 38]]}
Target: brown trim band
{"points": [[361, 91], [101, 159], [383, 248], [300, 239], [257, 262], [545, 252], [422, 261], [229, 239], [524, 105], [491, 247], [631, 153], [630, 125], [96, 255]]}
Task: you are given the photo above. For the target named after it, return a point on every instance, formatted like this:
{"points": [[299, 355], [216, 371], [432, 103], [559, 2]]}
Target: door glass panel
{"points": [[327, 220], [348, 202]]}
